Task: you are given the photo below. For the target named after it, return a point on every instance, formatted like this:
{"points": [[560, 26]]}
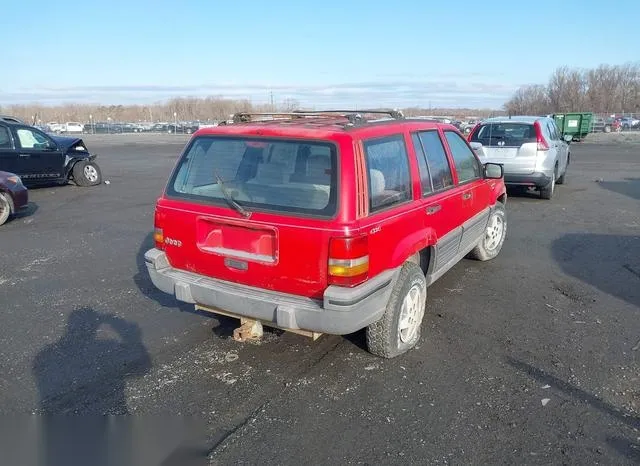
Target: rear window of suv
{"points": [[279, 175], [504, 134]]}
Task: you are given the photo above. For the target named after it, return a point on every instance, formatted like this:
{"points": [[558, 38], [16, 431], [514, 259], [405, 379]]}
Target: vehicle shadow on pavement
{"points": [[624, 447], [629, 187], [523, 192], [610, 263], [225, 326], [31, 209]]}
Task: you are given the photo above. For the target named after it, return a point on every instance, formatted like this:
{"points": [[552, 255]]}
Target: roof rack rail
{"points": [[395, 114], [352, 115]]}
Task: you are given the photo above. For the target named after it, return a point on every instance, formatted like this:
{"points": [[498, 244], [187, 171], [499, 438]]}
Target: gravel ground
{"points": [[623, 137], [532, 358]]}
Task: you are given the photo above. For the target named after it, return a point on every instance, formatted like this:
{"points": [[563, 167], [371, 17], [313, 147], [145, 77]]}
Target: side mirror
{"points": [[493, 171], [567, 138]]}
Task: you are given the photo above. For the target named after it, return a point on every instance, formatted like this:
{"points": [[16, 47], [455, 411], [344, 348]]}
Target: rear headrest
{"points": [[318, 167], [377, 182], [271, 173]]}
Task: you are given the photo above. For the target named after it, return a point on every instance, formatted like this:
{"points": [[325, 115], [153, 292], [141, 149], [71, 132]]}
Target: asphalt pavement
{"points": [[533, 358]]}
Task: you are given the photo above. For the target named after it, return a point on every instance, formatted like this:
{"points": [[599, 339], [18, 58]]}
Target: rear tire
{"points": [[5, 208], [399, 329], [564, 174], [562, 178], [87, 173], [547, 191], [494, 235]]}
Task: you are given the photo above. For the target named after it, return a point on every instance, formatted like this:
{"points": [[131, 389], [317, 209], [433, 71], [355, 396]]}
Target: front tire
{"points": [[87, 173], [399, 329], [494, 235], [5, 208]]}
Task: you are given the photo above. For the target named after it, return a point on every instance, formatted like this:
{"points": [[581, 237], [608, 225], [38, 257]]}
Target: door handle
{"points": [[24, 155], [466, 196], [432, 209]]}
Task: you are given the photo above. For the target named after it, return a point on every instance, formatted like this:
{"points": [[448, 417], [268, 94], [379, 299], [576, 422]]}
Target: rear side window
{"points": [[425, 176], [553, 131], [467, 165], [437, 160], [388, 169], [504, 134], [266, 174]]}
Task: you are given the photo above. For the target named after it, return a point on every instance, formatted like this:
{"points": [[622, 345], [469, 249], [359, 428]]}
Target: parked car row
{"points": [[117, 128], [614, 124], [29, 157]]}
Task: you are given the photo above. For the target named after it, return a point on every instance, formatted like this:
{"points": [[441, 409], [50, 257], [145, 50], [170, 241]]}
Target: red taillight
{"points": [[542, 142], [348, 261], [158, 236]]}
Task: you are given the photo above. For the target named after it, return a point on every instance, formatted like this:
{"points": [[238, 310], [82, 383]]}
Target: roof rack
{"points": [[354, 116]]}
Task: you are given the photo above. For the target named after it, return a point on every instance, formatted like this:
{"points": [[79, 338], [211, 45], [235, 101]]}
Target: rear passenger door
{"points": [[473, 190], [441, 203], [8, 155], [561, 147], [393, 213]]}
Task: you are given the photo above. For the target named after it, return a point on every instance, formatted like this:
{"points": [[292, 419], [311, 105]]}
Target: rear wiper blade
{"points": [[230, 200]]}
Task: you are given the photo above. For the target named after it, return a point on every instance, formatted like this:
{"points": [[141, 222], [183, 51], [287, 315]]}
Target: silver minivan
{"points": [[530, 149]]}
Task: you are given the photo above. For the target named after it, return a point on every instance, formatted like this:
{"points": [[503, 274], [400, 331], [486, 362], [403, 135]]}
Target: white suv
{"points": [[73, 127], [530, 149]]}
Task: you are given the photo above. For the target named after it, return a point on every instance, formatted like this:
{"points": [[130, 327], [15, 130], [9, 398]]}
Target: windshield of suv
{"points": [[259, 174], [504, 134]]}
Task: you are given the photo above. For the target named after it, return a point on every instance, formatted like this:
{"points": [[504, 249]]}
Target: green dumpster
{"points": [[576, 124]]}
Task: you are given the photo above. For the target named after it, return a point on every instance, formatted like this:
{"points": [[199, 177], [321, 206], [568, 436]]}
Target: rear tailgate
{"points": [[253, 211], [513, 145], [267, 251]]}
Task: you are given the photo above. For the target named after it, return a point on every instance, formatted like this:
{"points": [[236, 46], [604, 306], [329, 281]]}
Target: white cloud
{"points": [[458, 92]]}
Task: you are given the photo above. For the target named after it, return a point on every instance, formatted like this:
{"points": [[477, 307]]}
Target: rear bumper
{"points": [[538, 179], [342, 310]]}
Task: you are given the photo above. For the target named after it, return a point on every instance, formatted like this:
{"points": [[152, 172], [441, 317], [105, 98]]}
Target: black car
{"points": [[102, 128], [39, 158]]}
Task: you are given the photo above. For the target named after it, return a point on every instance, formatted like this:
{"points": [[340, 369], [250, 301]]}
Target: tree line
{"points": [[605, 89], [185, 109]]}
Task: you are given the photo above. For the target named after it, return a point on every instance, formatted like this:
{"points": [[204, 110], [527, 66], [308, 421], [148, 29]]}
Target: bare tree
{"points": [[289, 105], [605, 89], [567, 90], [529, 100]]}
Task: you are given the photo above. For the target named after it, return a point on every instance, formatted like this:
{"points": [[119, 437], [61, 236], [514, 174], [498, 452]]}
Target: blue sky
{"points": [[323, 53]]}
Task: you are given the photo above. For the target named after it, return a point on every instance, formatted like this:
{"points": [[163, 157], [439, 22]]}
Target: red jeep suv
{"points": [[325, 222]]}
